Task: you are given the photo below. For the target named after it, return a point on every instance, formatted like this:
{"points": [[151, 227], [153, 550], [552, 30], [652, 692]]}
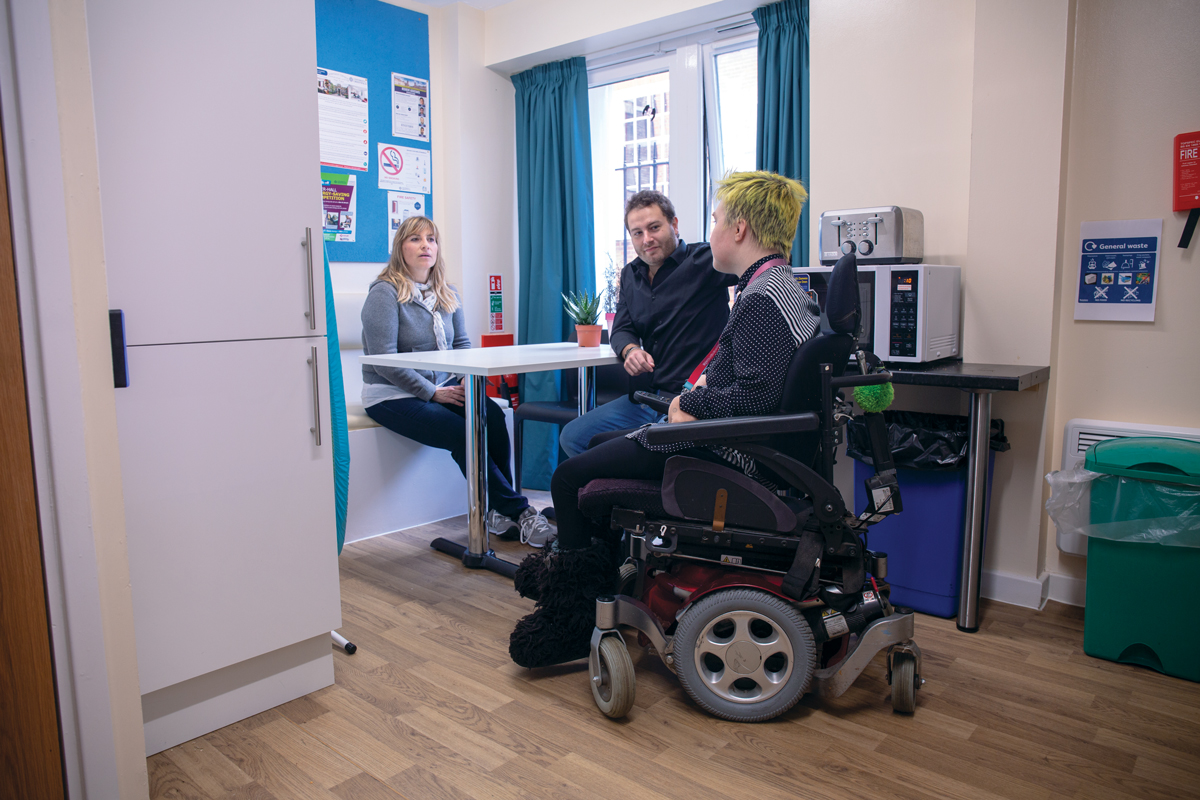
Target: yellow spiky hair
{"points": [[770, 204]]}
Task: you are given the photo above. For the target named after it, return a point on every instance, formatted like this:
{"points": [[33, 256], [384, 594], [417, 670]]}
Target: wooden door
{"points": [[228, 503], [30, 745], [206, 130]]}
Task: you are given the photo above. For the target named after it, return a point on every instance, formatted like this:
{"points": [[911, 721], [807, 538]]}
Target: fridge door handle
{"points": [[312, 294], [316, 380]]}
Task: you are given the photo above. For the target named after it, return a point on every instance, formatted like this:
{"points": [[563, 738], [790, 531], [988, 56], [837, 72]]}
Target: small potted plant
{"points": [[584, 308], [612, 292]]}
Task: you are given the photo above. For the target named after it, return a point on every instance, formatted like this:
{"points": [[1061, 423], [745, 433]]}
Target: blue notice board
{"points": [[372, 39]]}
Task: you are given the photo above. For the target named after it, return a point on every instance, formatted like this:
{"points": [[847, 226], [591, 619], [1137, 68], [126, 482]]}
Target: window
{"points": [[672, 116]]}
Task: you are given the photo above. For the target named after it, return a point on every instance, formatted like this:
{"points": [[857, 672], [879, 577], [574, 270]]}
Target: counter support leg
{"points": [[980, 425], [477, 554]]}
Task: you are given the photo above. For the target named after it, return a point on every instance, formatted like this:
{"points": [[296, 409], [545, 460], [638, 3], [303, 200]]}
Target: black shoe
{"points": [[548, 513]]}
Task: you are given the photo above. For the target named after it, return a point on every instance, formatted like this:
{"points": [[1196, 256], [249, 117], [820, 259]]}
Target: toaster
{"points": [[879, 235]]}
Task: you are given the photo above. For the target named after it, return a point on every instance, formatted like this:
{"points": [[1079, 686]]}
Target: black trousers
{"points": [[612, 457]]}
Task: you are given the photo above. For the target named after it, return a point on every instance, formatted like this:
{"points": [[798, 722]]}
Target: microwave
{"points": [[911, 313]]}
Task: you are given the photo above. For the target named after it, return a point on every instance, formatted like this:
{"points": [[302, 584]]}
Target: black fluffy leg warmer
{"points": [[560, 630], [530, 577]]}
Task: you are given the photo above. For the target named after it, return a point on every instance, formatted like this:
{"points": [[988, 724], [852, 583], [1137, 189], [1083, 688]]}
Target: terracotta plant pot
{"points": [[588, 335]]}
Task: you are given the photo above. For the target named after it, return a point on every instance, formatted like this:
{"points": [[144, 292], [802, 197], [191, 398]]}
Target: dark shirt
{"points": [[677, 318]]}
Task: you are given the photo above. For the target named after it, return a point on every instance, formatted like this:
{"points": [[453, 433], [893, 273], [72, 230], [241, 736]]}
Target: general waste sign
{"points": [[1118, 270]]}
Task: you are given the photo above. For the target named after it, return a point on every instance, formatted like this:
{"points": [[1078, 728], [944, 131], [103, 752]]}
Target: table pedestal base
{"points": [[487, 560]]}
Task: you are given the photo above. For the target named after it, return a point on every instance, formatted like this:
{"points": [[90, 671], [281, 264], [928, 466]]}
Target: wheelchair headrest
{"points": [[841, 303]]}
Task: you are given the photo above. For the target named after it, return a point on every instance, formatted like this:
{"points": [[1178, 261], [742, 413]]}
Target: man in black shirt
{"points": [[673, 306]]}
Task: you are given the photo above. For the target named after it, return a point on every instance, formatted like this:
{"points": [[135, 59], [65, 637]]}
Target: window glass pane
{"points": [[629, 153], [737, 108]]}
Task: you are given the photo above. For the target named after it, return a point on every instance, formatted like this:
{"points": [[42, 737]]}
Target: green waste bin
{"points": [[1143, 555]]}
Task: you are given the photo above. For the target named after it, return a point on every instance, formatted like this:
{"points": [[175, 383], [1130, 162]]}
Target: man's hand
{"points": [[676, 414], [449, 395], [638, 361]]}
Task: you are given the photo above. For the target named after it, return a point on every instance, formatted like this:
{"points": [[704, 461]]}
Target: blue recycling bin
{"points": [[924, 542]]}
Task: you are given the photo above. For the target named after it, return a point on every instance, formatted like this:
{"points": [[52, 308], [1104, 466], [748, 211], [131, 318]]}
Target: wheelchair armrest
{"points": [[650, 400], [731, 430], [873, 379]]}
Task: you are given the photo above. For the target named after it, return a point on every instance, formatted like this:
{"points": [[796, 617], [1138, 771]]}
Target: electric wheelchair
{"points": [[750, 596]]}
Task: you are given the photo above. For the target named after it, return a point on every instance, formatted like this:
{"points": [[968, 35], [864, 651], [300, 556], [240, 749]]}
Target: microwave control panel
{"points": [[903, 329]]}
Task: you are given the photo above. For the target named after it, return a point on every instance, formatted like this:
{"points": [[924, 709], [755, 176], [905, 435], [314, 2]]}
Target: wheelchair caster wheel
{"points": [[627, 578], [614, 687], [904, 683]]}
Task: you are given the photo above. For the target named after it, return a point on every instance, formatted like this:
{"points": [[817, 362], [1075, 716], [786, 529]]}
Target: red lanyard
{"points": [[699, 370]]}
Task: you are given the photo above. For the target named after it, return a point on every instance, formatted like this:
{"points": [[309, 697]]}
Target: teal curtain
{"points": [[554, 221], [337, 413], [782, 145]]}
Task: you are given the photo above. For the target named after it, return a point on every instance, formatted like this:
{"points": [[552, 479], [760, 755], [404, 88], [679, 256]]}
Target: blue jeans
{"points": [[615, 415], [443, 427]]}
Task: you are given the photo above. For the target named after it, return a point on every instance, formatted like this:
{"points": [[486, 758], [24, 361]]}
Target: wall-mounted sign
{"points": [[1118, 270]]}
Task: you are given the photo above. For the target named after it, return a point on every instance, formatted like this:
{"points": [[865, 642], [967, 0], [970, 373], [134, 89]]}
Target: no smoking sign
{"points": [[390, 161]]}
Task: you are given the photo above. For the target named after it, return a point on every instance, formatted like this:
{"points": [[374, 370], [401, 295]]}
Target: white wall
{"points": [[1136, 73]]}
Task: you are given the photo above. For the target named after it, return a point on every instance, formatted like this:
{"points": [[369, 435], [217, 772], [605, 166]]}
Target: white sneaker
{"points": [[501, 526], [535, 529]]}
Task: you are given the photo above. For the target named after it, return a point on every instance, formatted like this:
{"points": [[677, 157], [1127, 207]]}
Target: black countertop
{"points": [[960, 375]]}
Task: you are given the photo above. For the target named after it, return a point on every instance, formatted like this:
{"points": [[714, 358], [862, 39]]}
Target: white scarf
{"points": [[428, 299]]}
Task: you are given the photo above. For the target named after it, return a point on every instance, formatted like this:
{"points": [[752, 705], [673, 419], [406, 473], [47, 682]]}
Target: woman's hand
{"points": [[676, 414], [701, 381], [449, 395]]}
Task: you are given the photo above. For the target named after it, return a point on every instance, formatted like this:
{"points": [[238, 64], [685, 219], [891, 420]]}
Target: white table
{"points": [[478, 364]]}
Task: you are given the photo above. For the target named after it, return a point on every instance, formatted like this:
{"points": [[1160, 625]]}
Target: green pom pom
{"points": [[872, 399]]}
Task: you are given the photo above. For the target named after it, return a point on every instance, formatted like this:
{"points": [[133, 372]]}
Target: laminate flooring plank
{"points": [[310, 754], [421, 783], [368, 687], [540, 747], [475, 692], [251, 791], [302, 709], [374, 754], [269, 769], [603, 779], [745, 780], [169, 782], [974, 765], [538, 781], [208, 768], [473, 747], [366, 787], [1175, 781]]}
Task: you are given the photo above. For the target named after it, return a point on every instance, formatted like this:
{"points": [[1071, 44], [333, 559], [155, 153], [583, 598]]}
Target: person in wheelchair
{"points": [[754, 223]]}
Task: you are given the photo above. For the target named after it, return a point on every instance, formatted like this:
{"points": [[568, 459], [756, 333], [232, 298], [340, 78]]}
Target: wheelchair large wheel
{"points": [[614, 688], [744, 655]]}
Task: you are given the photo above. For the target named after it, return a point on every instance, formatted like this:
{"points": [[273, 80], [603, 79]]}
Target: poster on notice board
{"points": [[342, 119], [410, 107], [401, 206], [1118, 270], [339, 202]]}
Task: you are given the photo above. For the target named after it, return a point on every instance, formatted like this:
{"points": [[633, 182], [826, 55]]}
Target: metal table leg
{"points": [[977, 469], [477, 554], [587, 389]]}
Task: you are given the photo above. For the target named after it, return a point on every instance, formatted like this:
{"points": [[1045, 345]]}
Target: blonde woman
{"points": [[410, 307]]}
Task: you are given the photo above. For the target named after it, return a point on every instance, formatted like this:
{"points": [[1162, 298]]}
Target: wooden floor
{"points": [[432, 707]]}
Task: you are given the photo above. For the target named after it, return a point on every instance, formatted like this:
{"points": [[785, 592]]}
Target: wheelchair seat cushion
{"points": [[689, 491], [598, 497]]}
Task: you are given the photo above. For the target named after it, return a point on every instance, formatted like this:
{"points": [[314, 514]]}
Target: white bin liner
{"points": [[1162, 513]]}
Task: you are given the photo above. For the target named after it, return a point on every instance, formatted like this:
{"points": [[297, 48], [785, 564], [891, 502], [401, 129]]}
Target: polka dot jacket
{"points": [[770, 319]]}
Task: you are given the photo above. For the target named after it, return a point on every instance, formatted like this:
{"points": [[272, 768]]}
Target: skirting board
{"points": [[1016, 590], [203, 704]]}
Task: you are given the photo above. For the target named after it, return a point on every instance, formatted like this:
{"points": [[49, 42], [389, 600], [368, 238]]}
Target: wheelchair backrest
{"points": [[802, 387]]}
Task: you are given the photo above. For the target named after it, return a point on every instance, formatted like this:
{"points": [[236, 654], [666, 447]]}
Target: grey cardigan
{"points": [[392, 327]]}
